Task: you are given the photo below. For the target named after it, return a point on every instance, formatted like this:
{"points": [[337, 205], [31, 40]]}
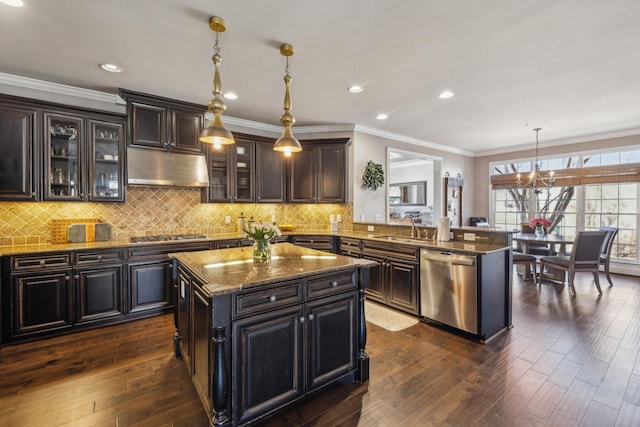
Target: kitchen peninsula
{"points": [[259, 335]]}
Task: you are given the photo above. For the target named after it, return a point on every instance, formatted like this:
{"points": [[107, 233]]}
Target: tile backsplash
{"points": [[160, 210]]}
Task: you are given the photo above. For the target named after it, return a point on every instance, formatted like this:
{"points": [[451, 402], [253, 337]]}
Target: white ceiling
{"points": [[571, 67]]}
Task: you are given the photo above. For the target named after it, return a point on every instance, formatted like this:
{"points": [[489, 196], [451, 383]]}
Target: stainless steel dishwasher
{"points": [[449, 288]]}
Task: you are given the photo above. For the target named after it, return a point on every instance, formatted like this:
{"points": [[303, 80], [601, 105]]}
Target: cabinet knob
{"points": [[272, 298], [334, 284], [311, 316], [33, 194], [99, 257], [42, 262], [67, 278], [77, 276], [301, 319]]}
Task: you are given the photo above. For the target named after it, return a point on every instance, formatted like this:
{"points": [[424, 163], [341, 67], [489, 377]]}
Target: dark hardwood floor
{"points": [[567, 361]]}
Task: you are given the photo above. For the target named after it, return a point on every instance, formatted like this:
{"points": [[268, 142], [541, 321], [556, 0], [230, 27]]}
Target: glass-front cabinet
{"points": [[83, 163], [106, 162], [231, 173]]}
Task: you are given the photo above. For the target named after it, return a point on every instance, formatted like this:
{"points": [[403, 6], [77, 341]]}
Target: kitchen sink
{"points": [[401, 239]]}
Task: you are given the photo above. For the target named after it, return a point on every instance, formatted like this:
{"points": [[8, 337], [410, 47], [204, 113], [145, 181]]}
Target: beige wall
{"points": [[480, 184]]}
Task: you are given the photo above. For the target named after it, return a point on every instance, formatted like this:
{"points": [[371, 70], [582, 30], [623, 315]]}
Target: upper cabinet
{"points": [[53, 152], [164, 124], [19, 165], [83, 157], [245, 172], [318, 173]]}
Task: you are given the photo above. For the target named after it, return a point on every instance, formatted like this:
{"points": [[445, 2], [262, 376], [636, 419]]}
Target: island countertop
{"points": [[230, 270]]}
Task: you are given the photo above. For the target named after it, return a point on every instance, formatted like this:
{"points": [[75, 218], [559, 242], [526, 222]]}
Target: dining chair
{"points": [[585, 257], [529, 261], [535, 248], [605, 254]]}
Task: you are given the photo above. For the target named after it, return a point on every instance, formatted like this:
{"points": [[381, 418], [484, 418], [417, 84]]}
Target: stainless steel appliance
{"points": [[449, 288]]}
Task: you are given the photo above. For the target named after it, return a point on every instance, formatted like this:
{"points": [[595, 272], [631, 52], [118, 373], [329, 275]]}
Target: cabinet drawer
{"points": [[267, 299], [321, 243], [36, 261], [330, 284], [83, 258]]}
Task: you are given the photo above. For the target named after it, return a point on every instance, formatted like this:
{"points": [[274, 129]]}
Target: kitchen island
{"points": [[258, 335]]}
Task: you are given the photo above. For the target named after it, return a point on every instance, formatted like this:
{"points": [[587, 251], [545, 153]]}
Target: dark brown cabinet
{"points": [[396, 279], [164, 124], [310, 343], [19, 165], [318, 242], [317, 174], [84, 158], [246, 172], [62, 291]]}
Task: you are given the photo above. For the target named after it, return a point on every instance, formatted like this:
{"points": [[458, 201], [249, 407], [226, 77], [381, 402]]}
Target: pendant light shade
{"points": [[287, 143], [216, 133]]}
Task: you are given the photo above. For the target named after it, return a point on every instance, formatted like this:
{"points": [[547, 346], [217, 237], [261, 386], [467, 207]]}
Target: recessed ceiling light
{"points": [[230, 95], [14, 3], [382, 116], [356, 89], [446, 94], [112, 68]]}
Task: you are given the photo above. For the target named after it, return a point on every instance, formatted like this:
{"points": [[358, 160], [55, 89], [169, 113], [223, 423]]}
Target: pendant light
{"points": [[216, 133], [287, 143], [536, 178]]}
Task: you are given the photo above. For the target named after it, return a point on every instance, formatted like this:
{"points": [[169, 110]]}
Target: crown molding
{"points": [[410, 140], [60, 89]]}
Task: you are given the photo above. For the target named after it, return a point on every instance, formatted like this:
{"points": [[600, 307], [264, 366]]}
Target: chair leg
{"points": [[606, 273], [572, 276], [596, 278]]}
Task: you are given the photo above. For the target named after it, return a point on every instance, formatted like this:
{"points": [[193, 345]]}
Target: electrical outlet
{"points": [[339, 218], [332, 218], [470, 236], [273, 218], [370, 228], [227, 219]]}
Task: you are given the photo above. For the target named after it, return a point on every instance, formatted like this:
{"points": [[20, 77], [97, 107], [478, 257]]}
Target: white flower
{"points": [[263, 231]]}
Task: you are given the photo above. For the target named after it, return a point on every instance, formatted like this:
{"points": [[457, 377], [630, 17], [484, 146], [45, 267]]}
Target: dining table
{"points": [[523, 240]]}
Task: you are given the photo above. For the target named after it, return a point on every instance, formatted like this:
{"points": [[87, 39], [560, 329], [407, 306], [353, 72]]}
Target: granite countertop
{"points": [[230, 270], [460, 246]]}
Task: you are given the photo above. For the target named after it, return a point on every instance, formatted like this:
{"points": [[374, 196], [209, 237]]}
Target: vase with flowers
{"points": [[261, 234], [539, 224]]}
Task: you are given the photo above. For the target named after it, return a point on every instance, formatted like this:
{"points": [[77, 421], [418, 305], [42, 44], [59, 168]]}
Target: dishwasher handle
{"points": [[446, 257]]}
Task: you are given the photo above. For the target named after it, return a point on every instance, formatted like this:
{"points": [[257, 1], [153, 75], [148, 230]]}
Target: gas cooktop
{"points": [[166, 238]]}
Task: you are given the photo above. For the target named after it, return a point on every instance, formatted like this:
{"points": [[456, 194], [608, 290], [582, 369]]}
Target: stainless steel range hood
{"points": [[156, 167]]}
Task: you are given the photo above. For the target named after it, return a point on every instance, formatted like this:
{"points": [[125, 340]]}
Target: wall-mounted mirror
{"points": [[411, 192], [408, 194]]}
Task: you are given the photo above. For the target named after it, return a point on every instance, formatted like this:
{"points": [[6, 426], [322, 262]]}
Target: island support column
{"points": [[219, 380], [362, 374]]}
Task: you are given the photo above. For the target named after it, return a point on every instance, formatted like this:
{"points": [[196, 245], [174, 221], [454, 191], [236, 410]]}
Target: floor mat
{"points": [[387, 318]]}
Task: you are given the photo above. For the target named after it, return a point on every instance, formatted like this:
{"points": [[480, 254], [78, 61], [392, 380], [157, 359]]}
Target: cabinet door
{"points": [[148, 125], [244, 172], [331, 338], [403, 285], [98, 293], [42, 302], [268, 364], [106, 161], [186, 126], [18, 167], [302, 187], [64, 147], [220, 181], [270, 174], [149, 284], [376, 289], [331, 174]]}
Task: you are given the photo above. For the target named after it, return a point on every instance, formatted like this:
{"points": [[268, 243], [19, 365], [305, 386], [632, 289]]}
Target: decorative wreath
{"points": [[373, 177]]}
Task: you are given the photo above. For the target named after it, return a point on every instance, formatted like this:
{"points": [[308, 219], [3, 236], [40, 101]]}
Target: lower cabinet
{"points": [[396, 280], [99, 293], [150, 285]]}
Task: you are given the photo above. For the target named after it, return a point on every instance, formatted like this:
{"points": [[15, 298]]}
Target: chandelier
{"points": [[216, 133], [537, 179], [287, 143]]}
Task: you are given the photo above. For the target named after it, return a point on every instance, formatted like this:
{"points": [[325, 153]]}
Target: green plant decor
{"points": [[373, 177]]}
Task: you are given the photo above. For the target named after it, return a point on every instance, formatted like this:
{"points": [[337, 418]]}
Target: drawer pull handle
{"points": [[334, 284], [311, 317], [272, 298]]}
